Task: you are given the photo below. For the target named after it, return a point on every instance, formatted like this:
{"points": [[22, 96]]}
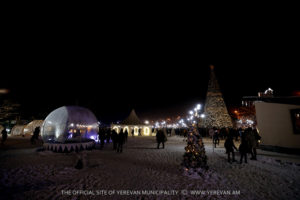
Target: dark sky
{"points": [[157, 72]]}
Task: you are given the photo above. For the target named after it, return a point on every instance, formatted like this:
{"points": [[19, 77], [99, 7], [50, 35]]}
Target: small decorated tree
{"points": [[194, 156]]}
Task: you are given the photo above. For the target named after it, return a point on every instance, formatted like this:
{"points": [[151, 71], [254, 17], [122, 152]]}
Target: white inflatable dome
{"points": [[17, 130], [69, 124]]}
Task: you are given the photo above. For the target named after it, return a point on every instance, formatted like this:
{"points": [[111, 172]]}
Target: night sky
{"points": [[159, 73]]}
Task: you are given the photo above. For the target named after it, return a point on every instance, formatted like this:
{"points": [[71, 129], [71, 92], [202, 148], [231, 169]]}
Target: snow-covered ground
{"points": [[29, 174]]}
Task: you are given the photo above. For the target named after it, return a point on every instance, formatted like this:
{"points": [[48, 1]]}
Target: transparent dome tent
{"points": [[69, 124]]}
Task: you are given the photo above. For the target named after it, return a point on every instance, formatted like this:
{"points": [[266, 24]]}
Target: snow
{"points": [[30, 174]]}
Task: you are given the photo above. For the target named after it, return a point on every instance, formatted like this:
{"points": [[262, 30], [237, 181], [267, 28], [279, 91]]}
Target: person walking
{"points": [[243, 149], [108, 135], [35, 135], [160, 138], [216, 138], [4, 136], [114, 138], [120, 141], [253, 137], [125, 136], [101, 137], [229, 146]]}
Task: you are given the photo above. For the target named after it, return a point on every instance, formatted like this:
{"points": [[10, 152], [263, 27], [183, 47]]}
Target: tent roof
{"points": [[132, 119]]}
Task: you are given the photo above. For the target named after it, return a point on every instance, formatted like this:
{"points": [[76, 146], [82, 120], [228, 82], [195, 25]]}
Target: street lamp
{"points": [[197, 113]]}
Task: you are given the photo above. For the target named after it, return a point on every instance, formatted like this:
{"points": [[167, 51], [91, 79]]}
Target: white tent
{"points": [[133, 124], [29, 128], [17, 130]]}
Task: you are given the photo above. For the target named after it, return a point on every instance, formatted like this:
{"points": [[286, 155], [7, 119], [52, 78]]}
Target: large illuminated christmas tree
{"points": [[194, 156], [215, 110]]}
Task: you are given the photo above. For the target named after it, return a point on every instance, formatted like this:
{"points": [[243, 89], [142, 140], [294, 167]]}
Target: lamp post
{"points": [[195, 113]]}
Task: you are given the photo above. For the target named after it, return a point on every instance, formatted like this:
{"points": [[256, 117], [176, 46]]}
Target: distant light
{"points": [[92, 137], [146, 122], [202, 115], [198, 106], [248, 121], [191, 112], [269, 90], [4, 91], [296, 93], [70, 136], [7, 129]]}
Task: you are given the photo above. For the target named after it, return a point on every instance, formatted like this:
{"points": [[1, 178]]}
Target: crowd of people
{"points": [[248, 139], [249, 143], [107, 135]]}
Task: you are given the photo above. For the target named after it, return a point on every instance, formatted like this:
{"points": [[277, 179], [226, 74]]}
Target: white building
{"points": [[279, 126]]}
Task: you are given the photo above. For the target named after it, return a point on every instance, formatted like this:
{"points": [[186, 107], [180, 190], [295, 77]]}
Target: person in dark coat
{"points": [[101, 137], [168, 132], [114, 138], [185, 133], [229, 146], [35, 135], [216, 138], [132, 132], [120, 141], [160, 138], [125, 136], [108, 135], [243, 148], [4, 136], [254, 137]]}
